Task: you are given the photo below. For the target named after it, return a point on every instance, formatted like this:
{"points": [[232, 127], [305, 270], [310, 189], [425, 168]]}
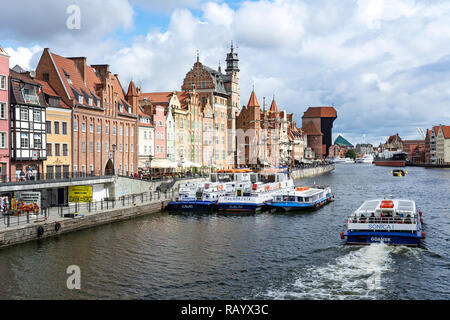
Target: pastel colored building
{"points": [[443, 145], [4, 116]]}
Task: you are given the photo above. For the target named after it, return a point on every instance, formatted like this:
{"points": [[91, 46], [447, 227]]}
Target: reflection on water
{"points": [[263, 256]]}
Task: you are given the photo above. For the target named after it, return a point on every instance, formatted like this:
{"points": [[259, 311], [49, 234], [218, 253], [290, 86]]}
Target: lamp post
{"points": [[114, 158]]}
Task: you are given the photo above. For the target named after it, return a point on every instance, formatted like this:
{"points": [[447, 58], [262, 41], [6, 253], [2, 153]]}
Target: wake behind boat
{"points": [[301, 198], [395, 222]]}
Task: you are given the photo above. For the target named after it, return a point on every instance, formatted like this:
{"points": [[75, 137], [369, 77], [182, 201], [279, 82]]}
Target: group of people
{"points": [[27, 174], [383, 218]]}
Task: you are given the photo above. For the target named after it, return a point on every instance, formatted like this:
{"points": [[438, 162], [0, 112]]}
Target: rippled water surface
{"points": [[264, 256]]}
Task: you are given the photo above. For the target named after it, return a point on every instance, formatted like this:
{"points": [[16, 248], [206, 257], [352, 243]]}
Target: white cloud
{"points": [[219, 14], [22, 56]]}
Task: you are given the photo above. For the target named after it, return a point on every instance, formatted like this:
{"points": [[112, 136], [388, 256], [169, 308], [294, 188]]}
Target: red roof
{"points": [[320, 112], [253, 101], [273, 107], [157, 97], [132, 90], [48, 90], [446, 131]]}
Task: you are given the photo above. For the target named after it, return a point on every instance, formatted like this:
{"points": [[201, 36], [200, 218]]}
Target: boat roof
{"points": [[234, 171], [305, 193], [399, 205]]}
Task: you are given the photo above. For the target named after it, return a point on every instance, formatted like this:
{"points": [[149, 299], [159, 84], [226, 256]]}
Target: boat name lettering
{"points": [[373, 226], [187, 206], [378, 239]]}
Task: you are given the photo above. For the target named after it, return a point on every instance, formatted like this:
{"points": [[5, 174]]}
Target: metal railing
{"points": [[83, 208], [383, 220]]}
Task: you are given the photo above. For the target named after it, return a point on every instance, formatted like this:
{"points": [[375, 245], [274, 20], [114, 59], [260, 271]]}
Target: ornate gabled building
{"points": [[222, 90], [27, 126], [4, 116], [104, 122]]}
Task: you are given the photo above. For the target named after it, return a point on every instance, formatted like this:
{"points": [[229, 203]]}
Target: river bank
{"points": [[109, 212]]}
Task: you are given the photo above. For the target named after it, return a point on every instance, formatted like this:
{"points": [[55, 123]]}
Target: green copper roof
{"points": [[341, 141]]}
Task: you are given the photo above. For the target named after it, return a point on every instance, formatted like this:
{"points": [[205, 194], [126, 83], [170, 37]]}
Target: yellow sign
{"points": [[80, 194]]}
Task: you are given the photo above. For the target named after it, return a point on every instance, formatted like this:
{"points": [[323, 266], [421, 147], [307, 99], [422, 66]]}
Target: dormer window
{"points": [[98, 103], [80, 99], [90, 101]]}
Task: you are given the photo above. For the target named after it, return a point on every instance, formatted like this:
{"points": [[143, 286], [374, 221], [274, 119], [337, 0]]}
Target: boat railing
{"points": [[382, 220]]}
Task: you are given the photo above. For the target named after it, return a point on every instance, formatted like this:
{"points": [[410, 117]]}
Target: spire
{"points": [[253, 101], [273, 106], [132, 92], [232, 48], [198, 56]]}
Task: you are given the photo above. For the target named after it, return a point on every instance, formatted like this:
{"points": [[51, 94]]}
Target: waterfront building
{"points": [[443, 145], [160, 161], [340, 147], [194, 126], [317, 122], [393, 143], [58, 129], [298, 141], [415, 150], [364, 148], [208, 135], [433, 147], [427, 147], [103, 121], [27, 125], [4, 116], [223, 93], [146, 135]]}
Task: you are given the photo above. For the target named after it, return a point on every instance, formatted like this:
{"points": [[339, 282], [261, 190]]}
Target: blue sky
{"points": [[383, 64]]}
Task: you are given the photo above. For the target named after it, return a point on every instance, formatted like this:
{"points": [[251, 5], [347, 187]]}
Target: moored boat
{"points": [[394, 222], [368, 158], [301, 198], [397, 160]]}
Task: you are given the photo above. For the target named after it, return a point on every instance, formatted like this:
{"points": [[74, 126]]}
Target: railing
{"points": [[53, 176], [84, 208], [383, 220]]}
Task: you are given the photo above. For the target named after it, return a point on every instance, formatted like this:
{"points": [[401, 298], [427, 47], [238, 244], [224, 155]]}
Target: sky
{"points": [[383, 64]]}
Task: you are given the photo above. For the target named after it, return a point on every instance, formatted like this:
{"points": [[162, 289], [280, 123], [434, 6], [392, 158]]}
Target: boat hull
{"points": [[240, 207], [391, 238], [390, 163], [295, 206], [191, 206]]}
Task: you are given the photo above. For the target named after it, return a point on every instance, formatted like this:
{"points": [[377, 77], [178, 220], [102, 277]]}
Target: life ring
{"points": [[220, 187], [40, 231], [266, 188], [279, 185], [342, 235], [423, 234], [320, 203], [421, 220], [57, 226], [420, 212], [315, 205], [333, 196]]}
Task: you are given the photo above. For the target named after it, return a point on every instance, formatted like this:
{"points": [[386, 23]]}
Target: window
{"points": [[160, 123], [64, 127], [106, 129], [83, 146], [2, 82], [49, 149], [2, 110], [3, 140], [91, 146], [222, 127], [121, 131], [90, 101], [83, 127], [121, 147], [131, 148], [106, 146], [24, 114], [126, 147], [37, 141], [126, 131], [99, 129], [80, 99], [91, 128], [65, 150], [114, 130], [24, 140], [57, 149], [37, 115], [132, 132], [99, 147], [75, 168], [145, 135], [75, 125], [145, 149], [56, 127], [48, 127]]}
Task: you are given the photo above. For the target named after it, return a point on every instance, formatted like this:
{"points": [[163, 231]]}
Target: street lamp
{"points": [[114, 158]]}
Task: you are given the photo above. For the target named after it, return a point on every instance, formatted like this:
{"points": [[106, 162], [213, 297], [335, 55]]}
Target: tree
{"points": [[350, 154]]}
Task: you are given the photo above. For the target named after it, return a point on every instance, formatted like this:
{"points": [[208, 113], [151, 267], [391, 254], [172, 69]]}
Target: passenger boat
{"points": [[368, 158], [338, 160], [301, 198], [203, 196], [398, 173], [394, 222], [397, 160], [252, 198]]}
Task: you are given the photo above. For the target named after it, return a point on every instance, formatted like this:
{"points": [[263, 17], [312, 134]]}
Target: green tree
{"points": [[350, 154]]}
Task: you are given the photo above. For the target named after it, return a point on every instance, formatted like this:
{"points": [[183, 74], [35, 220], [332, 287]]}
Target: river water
{"points": [[263, 256]]}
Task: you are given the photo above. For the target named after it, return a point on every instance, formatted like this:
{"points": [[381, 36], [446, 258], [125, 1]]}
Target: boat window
{"points": [[291, 198], [307, 199], [253, 178], [213, 177], [225, 177], [300, 199]]}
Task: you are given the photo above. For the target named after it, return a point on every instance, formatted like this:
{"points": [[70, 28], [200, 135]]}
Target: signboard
{"points": [[80, 193], [28, 197], [34, 155], [110, 155]]}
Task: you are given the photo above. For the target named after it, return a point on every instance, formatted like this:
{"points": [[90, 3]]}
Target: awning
{"points": [[163, 163], [190, 164]]}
